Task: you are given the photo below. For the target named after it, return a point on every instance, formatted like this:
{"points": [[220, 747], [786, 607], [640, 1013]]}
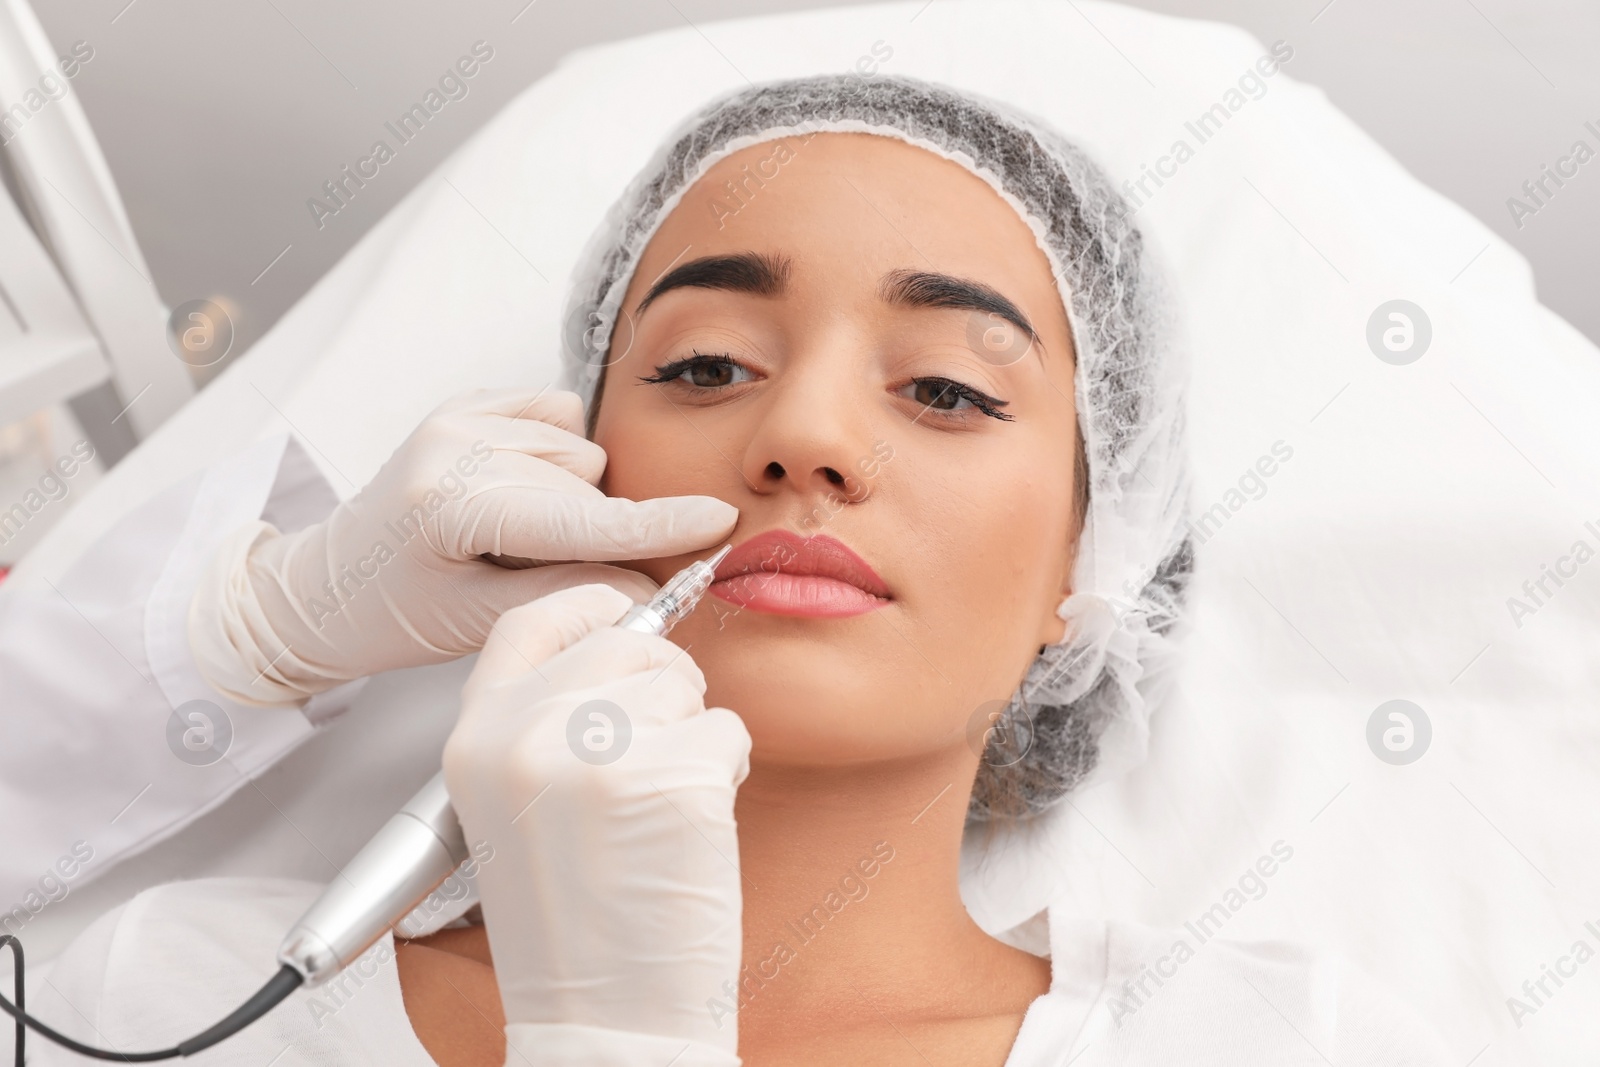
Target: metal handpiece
{"points": [[423, 844], [406, 860]]}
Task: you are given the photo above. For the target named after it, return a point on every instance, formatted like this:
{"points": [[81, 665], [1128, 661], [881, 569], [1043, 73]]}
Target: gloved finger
{"points": [[612, 653], [526, 636], [508, 437], [641, 704], [558, 407], [741, 770], [501, 594], [731, 743], [530, 737], [511, 468], [475, 595], [486, 592], [525, 719], [714, 738], [560, 526]]}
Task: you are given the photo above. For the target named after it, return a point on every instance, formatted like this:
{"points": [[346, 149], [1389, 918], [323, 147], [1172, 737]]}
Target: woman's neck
{"points": [[856, 942], [852, 904]]}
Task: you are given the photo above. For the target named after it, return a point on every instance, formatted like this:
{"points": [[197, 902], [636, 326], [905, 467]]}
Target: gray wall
{"points": [[220, 120]]}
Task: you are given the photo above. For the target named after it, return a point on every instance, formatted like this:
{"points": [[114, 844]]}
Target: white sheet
{"points": [[180, 956], [1377, 564]]}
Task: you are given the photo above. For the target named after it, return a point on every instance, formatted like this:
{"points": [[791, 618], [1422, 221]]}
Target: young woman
{"points": [[915, 340]]}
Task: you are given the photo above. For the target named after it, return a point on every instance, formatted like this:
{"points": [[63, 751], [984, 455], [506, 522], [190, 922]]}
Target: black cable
{"points": [[286, 981]]}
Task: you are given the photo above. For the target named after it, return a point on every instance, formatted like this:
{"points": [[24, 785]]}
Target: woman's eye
{"points": [[700, 371], [942, 394], [713, 372]]}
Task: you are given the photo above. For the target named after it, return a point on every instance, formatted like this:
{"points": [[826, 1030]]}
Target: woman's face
{"points": [[854, 313]]}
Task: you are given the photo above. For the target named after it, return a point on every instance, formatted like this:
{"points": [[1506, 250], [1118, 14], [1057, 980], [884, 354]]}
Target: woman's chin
{"points": [[797, 720]]}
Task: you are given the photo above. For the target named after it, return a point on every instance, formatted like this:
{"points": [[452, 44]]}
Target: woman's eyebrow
{"points": [[766, 275], [922, 289], [745, 272]]}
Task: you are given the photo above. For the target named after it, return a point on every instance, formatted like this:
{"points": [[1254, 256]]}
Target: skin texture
{"points": [[861, 727]]}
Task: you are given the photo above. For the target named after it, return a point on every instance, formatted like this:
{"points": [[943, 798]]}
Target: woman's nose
{"points": [[812, 438], [850, 486]]}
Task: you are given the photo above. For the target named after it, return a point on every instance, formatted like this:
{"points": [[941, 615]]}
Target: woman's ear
{"points": [[1053, 628], [1052, 632]]}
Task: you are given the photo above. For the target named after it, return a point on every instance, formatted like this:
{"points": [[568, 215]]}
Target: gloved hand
{"points": [[394, 577], [613, 905]]}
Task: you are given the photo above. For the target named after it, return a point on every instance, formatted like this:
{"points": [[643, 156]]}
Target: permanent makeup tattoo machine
{"points": [[410, 857]]}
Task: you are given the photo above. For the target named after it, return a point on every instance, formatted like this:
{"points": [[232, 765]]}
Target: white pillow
{"points": [[1405, 505]]}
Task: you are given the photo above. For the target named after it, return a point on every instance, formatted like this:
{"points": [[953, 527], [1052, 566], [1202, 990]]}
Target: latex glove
{"points": [[613, 905], [394, 576]]}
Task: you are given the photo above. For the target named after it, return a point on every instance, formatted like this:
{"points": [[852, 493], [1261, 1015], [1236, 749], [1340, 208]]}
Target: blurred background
{"points": [[221, 123]]}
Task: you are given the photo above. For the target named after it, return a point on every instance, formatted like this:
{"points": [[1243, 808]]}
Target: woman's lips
{"points": [[783, 574], [808, 595]]}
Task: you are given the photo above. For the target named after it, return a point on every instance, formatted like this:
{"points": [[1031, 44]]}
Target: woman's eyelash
{"points": [[989, 405], [673, 370], [942, 387]]}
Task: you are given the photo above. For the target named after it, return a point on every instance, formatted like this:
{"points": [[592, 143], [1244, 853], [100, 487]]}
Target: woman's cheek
{"points": [[644, 457], [1005, 563]]}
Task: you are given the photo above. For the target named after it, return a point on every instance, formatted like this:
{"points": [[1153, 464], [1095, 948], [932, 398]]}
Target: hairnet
{"points": [[1083, 708]]}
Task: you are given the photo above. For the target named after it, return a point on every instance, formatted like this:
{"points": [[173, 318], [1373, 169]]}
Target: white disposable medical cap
{"points": [[1083, 710]]}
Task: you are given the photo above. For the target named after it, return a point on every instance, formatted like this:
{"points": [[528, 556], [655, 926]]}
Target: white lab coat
{"points": [[181, 956], [92, 667]]}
